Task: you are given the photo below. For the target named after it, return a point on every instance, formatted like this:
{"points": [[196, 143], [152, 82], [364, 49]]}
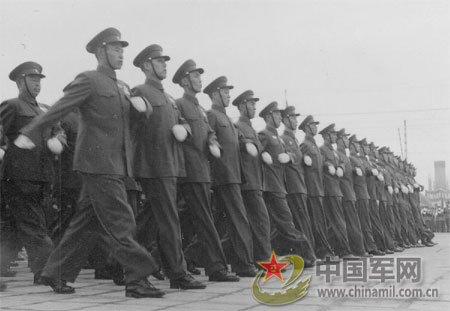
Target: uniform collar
{"points": [[245, 120], [190, 98], [219, 107], [155, 83], [272, 129], [289, 133], [310, 138], [107, 71], [28, 99]]}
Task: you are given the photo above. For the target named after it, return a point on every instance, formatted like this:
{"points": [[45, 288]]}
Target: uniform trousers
{"points": [[388, 237], [354, 232], [25, 199], [336, 227], [207, 250], [298, 205], [103, 216], [258, 218], [319, 226], [284, 235], [362, 207], [377, 227], [229, 199], [162, 196]]}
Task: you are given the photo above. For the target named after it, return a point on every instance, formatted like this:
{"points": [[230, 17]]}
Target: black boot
{"points": [[58, 286], [142, 289]]}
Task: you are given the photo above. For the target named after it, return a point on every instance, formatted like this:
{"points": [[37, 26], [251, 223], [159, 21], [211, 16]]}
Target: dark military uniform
{"points": [[362, 201], [158, 162], [314, 185], [226, 179], [354, 232], [284, 234], [196, 185], [252, 191], [27, 174], [103, 157], [337, 231], [296, 186]]}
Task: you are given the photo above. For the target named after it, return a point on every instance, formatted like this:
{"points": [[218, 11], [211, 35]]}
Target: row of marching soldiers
{"points": [[117, 145]]}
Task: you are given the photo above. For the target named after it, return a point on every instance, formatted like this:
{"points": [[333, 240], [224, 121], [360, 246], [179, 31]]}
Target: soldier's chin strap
{"points": [[246, 108], [154, 71], [290, 123], [107, 57], [27, 88], [221, 98], [273, 120], [190, 82]]}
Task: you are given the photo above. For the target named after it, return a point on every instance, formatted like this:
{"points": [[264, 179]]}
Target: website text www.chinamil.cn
{"points": [[384, 292]]}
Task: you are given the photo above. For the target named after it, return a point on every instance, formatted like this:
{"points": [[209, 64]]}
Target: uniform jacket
{"points": [[313, 173], [156, 151], [295, 174], [359, 182], [371, 180], [252, 167], [346, 182], [331, 182], [36, 164], [381, 185], [103, 143], [274, 173], [227, 168], [195, 148]]}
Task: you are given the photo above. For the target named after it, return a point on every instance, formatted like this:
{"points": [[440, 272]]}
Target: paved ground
{"points": [[103, 295]]}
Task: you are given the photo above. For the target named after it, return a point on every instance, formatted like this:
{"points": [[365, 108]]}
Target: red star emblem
{"points": [[273, 268]]}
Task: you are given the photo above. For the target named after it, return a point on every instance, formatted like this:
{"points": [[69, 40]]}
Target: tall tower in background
{"points": [[440, 181]]}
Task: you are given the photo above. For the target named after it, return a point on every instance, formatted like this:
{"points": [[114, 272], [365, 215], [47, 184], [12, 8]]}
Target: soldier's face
{"points": [[333, 137], [225, 93], [33, 83], [114, 52], [160, 67], [291, 122], [196, 81], [313, 128], [248, 109], [276, 116]]}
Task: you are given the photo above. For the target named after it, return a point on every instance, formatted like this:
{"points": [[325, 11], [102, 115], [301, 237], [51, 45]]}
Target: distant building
{"points": [[440, 181]]}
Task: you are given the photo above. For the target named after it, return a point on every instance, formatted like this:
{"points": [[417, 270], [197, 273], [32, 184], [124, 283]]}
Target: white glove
{"points": [[55, 145], [339, 172], [359, 171], [416, 186], [374, 172], [24, 142], [138, 103], [267, 158], [283, 158], [179, 132], [251, 149], [380, 177], [410, 188], [396, 190], [2, 154], [331, 170], [390, 189], [215, 150], [404, 189], [307, 159]]}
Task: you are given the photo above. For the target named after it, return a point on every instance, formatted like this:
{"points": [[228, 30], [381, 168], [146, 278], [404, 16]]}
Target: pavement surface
{"points": [[103, 295]]}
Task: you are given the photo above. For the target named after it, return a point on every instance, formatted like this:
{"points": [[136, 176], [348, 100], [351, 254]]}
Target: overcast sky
{"points": [[366, 65]]}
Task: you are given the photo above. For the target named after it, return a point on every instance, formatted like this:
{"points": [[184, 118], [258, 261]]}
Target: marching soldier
{"points": [[333, 171], [253, 179], [354, 232], [196, 185], [284, 234], [158, 163], [362, 196], [26, 175], [372, 172], [295, 177], [313, 164], [226, 177], [103, 157]]}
